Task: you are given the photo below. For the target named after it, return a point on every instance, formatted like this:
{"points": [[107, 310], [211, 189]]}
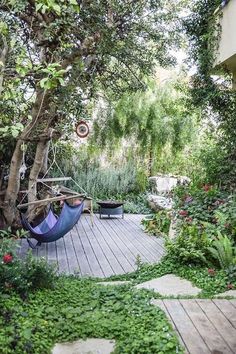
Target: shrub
{"points": [[189, 247], [158, 224], [23, 275]]}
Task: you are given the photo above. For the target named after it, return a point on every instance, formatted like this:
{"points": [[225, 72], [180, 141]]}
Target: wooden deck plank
{"points": [[52, 253], [154, 244], [100, 255], [220, 322], [162, 306], [131, 250], [42, 251], [138, 228], [110, 247], [210, 335], [89, 252], [106, 245], [71, 255], [125, 247], [138, 243], [233, 302], [227, 309], [61, 256], [189, 334], [114, 243], [84, 268]]}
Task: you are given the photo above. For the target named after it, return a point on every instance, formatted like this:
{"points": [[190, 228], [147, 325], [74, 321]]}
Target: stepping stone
{"points": [[89, 346], [227, 293], [170, 285], [118, 282]]}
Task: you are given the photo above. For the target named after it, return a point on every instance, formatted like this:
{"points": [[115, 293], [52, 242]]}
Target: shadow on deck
{"points": [[110, 247]]}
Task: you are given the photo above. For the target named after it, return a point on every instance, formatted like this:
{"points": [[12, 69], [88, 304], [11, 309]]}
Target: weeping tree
{"points": [[57, 54], [150, 120]]}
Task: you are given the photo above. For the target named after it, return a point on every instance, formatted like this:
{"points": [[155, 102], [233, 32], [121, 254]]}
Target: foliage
{"points": [[223, 251], [151, 120], [212, 93], [79, 308], [211, 208], [120, 177], [198, 275], [23, 275], [158, 223], [189, 247], [8, 233]]}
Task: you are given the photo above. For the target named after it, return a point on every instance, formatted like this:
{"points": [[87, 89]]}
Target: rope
{"points": [[53, 149]]}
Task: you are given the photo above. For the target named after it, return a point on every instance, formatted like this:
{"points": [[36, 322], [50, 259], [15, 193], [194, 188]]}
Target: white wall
{"points": [[227, 43]]}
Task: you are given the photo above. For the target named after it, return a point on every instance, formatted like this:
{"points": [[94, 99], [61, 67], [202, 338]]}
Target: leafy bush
{"points": [[12, 235], [223, 251], [23, 275], [189, 247], [158, 223]]}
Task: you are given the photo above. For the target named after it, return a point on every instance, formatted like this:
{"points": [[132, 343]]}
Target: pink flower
{"points": [[183, 212], [230, 286], [188, 199], [211, 272], [189, 220], [7, 258], [206, 187]]}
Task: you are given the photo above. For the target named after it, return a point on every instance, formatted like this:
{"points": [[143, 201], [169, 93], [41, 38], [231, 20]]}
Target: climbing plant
{"points": [[211, 88]]}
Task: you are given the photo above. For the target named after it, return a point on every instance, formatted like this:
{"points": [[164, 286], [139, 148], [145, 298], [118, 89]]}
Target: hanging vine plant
{"points": [[211, 88]]}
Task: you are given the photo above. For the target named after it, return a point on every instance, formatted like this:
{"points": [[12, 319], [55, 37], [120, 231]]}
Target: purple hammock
{"points": [[53, 227]]}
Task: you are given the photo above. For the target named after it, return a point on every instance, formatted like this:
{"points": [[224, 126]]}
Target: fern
{"points": [[223, 251]]}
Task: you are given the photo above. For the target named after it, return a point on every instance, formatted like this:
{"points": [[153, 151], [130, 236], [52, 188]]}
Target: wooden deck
{"points": [[109, 247], [203, 326]]}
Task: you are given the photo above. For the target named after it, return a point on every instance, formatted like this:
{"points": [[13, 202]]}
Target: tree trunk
{"points": [[39, 107], [3, 56], [45, 160], [13, 184], [150, 162], [37, 166]]}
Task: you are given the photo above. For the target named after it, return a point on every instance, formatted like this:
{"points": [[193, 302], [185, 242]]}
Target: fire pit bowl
{"points": [[111, 207]]}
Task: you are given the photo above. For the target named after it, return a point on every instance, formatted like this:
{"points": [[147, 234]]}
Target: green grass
{"points": [[79, 308]]}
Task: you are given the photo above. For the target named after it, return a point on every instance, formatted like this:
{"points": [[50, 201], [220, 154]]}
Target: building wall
{"points": [[227, 43]]}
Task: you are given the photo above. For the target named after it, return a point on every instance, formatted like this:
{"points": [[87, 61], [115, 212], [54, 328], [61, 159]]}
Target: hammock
{"points": [[53, 227]]}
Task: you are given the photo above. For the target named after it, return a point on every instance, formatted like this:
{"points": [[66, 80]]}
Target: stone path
{"points": [[89, 346], [170, 285]]}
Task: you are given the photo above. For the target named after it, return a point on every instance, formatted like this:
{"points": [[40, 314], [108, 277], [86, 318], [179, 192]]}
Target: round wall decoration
{"points": [[82, 129]]}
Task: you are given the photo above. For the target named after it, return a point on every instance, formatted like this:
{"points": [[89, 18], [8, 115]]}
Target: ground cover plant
{"points": [[79, 309]]}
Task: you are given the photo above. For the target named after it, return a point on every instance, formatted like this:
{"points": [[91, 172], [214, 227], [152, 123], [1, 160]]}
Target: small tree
{"points": [[59, 53]]}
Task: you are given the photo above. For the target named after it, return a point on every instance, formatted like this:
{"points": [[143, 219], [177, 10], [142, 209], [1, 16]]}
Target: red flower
{"points": [[211, 272], [189, 220], [206, 187], [183, 213], [230, 286], [7, 258]]}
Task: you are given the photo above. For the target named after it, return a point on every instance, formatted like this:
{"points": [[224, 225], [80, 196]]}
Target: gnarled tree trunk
{"points": [[39, 107], [40, 154]]}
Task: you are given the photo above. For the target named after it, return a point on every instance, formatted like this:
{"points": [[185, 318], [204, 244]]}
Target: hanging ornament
{"points": [[82, 129]]}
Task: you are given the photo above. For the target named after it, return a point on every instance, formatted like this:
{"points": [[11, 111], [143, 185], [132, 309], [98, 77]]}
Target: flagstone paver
{"points": [[170, 285], [89, 346], [117, 282], [227, 293]]}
